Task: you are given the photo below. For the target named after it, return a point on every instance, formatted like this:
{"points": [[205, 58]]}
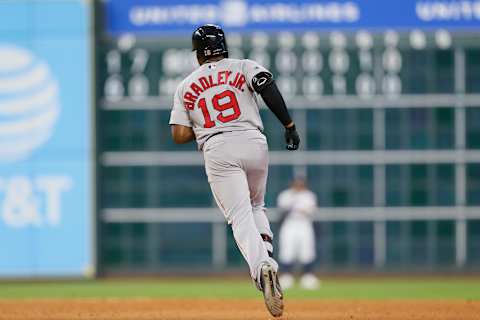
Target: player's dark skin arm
{"points": [[182, 134]]}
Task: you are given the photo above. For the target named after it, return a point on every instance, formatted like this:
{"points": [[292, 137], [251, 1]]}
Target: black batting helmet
{"points": [[209, 40]]}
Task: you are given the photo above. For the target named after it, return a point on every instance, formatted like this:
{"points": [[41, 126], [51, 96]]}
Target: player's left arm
{"points": [[274, 101], [311, 204], [263, 83]]}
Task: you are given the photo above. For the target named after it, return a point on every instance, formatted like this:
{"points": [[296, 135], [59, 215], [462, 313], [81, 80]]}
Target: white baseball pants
{"points": [[297, 242]]}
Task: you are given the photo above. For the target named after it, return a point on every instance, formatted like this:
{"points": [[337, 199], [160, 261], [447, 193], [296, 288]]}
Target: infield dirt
{"points": [[230, 309]]}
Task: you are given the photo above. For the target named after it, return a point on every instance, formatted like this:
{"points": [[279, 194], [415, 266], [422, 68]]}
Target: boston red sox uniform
{"points": [[219, 104]]}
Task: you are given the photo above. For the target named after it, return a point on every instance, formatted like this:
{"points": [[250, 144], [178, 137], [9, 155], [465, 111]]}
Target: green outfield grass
{"points": [[371, 288]]}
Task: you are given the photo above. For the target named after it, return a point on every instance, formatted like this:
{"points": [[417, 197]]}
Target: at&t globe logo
{"points": [[29, 103]]}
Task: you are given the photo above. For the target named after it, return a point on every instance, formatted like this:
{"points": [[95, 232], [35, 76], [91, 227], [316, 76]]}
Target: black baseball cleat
{"points": [[272, 292]]}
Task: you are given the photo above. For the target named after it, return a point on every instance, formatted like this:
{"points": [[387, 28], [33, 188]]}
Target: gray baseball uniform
{"points": [[219, 104]]}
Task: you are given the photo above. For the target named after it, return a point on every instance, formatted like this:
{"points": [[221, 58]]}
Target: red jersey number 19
{"points": [[221, 102]]}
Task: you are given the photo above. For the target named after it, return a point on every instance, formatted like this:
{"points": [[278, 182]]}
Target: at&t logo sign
{"points": [[29, 103], [29, 109]]}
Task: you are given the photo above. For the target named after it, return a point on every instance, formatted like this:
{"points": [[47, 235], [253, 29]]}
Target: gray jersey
{"points": [[218, 97]]}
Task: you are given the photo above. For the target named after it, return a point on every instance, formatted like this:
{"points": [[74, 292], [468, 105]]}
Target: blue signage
{"points": [[167, 16], [45, 144]]}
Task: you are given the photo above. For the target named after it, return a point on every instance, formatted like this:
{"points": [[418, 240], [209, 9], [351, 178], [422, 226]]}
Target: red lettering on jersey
{"points": [[189, 97], [210, 80], [196, 88], [189, 105], [204, 83], [232, 83], [221, 78], [189, 100], [227, 75], [240, 82]]}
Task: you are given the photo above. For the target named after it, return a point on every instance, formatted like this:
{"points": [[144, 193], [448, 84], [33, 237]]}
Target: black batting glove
{"points": [[291, 138]]}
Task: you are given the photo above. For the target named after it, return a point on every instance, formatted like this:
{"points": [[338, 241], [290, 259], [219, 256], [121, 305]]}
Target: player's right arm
{"points": [[182, 134], [181, 125], [262, 82], [284, 207]]}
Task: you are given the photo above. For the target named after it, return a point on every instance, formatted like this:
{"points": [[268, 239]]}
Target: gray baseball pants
{"points": [[236, 163]]}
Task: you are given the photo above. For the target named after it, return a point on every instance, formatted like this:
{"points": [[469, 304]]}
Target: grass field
{"points": [[351, 288], [210, 298]]}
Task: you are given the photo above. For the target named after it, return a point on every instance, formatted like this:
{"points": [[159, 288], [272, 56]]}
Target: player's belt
{"points": [[214, 134]]}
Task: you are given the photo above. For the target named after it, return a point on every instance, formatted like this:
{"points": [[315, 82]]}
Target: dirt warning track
{"points": [[233, 309]]}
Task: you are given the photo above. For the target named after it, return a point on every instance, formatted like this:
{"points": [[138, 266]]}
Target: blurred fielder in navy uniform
{"points": [[297, 206], [217, 106]]}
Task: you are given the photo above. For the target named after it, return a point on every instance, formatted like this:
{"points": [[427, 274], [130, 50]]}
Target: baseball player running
{"points": [[297, 238], [216, 105]]}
